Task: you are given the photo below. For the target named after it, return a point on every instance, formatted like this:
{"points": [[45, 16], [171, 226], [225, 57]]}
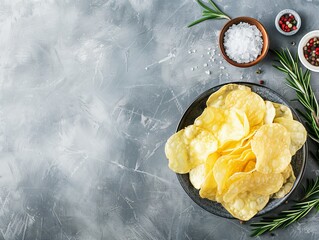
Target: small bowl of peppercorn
{"points": [[308, 50], [288, 22]]}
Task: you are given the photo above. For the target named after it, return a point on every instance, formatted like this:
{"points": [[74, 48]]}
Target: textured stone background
{"points": [[89, 93]]}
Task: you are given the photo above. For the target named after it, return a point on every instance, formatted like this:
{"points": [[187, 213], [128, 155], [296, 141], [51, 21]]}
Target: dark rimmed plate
{"points": [[298, 161]]}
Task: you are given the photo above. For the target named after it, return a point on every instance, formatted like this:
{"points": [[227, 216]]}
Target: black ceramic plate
{"points": [[196, 108]]}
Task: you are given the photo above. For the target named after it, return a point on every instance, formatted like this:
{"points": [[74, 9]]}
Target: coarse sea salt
{"points": [[243, 42]]}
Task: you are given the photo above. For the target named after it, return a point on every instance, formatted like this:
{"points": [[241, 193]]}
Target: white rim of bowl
{"points": [[301, 44], [297, 17]]}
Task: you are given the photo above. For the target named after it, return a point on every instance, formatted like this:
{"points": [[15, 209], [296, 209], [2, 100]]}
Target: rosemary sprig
{"points": [[300, 82], [209, 13], [295, 213]]}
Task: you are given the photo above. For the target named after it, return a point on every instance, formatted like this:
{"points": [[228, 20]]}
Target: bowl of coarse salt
{"points": [[243, 42]]}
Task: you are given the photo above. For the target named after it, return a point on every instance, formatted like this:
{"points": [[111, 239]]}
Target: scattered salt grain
{"points": [[208, 53], [205, 64], [192, 69], [243, 42], [222, 67], [207, 72]]}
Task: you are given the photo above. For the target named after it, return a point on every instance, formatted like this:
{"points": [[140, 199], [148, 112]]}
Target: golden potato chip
{"points": [[188, 148], [227, 165], [282, 111], [209, 186], [251, 103], [202, 145], [270, 112], [287, 172], [254, 181], [237, 147], [217, 99], [177, 153], [297, 131], [210, 162], [271, 145], [197, 176], [225, 124], [246, 205], [289, 180], [250, 166]]}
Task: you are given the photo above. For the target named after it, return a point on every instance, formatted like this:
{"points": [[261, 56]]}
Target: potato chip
{"points": [[254, 181], [250, 166], [209, 186], [197, 176], [188, 148], [287, 172], [217, 99], [246, 205], [227, 165], [271, 145], [289, 180], [202, 145], [282, 111], [270, 112], [210, 162], [298, 133], [226, 124], [237, 147], [249, 102]]}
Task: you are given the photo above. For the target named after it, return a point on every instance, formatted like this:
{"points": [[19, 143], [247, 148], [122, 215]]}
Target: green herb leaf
{"points": [[199, 21], [300, 82], [209, 13]]}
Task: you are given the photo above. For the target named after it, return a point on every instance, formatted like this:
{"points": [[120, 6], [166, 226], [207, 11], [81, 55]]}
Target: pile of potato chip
{"points": [[238, 151]]}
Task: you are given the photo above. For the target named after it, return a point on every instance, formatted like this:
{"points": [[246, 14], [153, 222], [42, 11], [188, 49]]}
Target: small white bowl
{"points": [[297, 17], [301, 45]]}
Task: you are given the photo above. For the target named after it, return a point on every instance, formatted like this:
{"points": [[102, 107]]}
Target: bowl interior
{"points": [[196, 108], [251, 21], [301, 56]]}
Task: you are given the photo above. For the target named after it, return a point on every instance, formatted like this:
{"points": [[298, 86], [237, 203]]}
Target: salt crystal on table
{"points": [[243, 42]]}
